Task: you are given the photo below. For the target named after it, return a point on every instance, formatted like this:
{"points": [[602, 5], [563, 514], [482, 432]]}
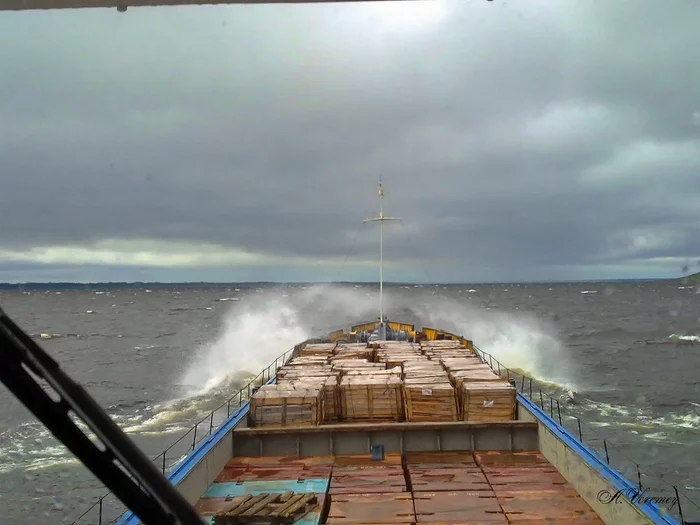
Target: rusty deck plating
{"points": [[428, 488]]}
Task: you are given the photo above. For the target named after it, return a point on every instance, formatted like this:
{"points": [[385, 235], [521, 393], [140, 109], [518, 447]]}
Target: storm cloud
{"points": [[517, 141]]}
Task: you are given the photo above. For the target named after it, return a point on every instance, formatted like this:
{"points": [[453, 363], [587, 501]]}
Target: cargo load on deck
{"points": [[386, 381]]}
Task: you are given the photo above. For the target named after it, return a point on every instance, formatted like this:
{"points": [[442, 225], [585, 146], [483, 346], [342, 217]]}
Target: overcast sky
{"points": [[517, 140]]}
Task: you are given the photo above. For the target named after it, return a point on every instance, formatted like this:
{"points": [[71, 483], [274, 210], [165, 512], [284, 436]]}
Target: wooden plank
{"points": [[288, 504], [255, 509], [247, 505], [386, 426], [233, 506], [299, 505]]}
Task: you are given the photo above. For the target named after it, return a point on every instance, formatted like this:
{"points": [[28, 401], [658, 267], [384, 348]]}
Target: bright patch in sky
{"points": [[158, 254], [417, 14]]}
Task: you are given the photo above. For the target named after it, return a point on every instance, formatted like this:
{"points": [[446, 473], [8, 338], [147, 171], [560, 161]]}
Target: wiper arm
{"points": [[118, 462]]}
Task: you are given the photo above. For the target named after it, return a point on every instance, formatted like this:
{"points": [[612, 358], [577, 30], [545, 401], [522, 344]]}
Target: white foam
{"points": [[689, 338], [258, 330], [521, 342]]}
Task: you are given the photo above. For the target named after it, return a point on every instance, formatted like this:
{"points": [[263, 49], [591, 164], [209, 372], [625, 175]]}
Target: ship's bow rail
{"points": [[664, 498], [107, 509]]}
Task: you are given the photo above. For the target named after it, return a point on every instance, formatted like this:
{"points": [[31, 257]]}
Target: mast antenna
{"points": [[381, 218]]}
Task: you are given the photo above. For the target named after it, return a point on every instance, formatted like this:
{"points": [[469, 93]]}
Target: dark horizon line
{"points": [[6, 285]]}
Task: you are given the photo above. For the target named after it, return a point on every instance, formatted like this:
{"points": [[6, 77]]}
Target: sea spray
{"points": [[261, 328], [519, 341], [258, 330], [251, 338]]}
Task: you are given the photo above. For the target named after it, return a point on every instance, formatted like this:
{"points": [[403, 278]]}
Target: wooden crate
{"points": [[331, 400], [353, 362], [368, 398], [373, 372], [291, 373], [444, 344], [353, 352], [420, 379], [488, 401], [308, 360], [322, 349], [284, 405], [430, 401], [473, 375], [327, 382], [459, 363], [398, 359], [422, 367]]}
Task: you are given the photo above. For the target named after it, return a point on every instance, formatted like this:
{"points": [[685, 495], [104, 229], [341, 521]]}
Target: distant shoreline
{"points": [[161, 285]]}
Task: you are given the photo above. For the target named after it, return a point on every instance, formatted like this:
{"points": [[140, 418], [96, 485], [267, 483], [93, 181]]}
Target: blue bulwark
{"points": [[193, 458], [649, 509]]}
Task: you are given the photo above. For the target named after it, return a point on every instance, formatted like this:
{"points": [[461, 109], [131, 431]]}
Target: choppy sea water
{"points": [[618, 355]]}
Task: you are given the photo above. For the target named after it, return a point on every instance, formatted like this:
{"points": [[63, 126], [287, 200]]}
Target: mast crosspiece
{"points": [[381, 218]]}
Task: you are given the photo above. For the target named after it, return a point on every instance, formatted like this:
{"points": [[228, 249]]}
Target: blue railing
{"points": [[620, 468], [108, 509]]}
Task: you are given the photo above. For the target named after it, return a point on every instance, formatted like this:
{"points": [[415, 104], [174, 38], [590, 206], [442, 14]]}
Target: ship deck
{"points": [[394, 433], [489, 488]]}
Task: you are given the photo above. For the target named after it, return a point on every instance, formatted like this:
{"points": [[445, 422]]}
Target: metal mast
{"points": [[381, 220]]}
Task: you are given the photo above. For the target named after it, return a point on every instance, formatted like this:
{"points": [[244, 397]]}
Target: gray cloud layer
{"points": [[529, 141]]}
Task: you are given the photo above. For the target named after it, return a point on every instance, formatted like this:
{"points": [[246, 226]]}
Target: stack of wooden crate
{"points": [[286, 405], [371, 395], [481, 394], [459, 363], [291, 371], [398, 354], [317, 376], [294, 373], [428, 393], [473, 374], [356, 364], [488, 401], [323, 349], [442, 344], [445, 349], [353, 351]]}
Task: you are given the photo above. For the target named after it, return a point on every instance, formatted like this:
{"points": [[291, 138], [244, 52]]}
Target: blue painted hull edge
{"points": [[202, 449], [649, 509]]}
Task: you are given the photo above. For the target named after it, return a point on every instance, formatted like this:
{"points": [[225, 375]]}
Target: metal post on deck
{"points": [[194, 437], [211, 423], [559, 412], [580, 434], [678, 499], [607, 457], [530, 389], [639, 476], [541, 399], [164, 463], [100, 516]]}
